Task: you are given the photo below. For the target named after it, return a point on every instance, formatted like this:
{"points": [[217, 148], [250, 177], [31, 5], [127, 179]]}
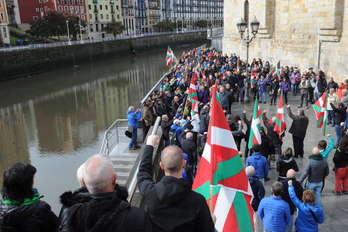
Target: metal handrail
{"points": [[106, 146], [133, 183], [153, 88]]}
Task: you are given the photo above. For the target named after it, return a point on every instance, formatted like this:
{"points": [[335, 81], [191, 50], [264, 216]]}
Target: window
{"points": [[5, 32], [107, 16], [91, 27], [0, 4], [65, 2], [40, 1], [118, 16], [2, 16], [82, 10], [90, 16], [100, 7], [71, 2], [81, 2], [35, 18], [96, 27], [65, 9], [60, 8], [83, 17], [37, 10], [106, 7], [102, 27], [116, 7], [77, 9], [101, 16], [59, 1], [89, 7]]}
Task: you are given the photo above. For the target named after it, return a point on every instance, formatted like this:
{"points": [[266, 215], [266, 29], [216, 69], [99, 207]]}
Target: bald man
{"points": [[316, 170], [291, 175], [171, 204], [103, 210]]}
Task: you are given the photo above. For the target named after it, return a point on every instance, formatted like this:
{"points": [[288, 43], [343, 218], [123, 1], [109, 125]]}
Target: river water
{"points": [[56, 120]]}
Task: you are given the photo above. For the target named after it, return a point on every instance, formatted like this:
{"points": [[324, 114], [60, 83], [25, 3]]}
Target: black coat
{"points": [[299, 124], [284, 163], [35, 217], [171, 204], [166, 128], [285, 194], [105, 212]]}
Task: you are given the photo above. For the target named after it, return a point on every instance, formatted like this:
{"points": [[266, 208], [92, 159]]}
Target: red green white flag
{"points": [[221, 177], [255, 136], [280, 124], [276, 70], [320, 109], [170, 56], [192, 94]]}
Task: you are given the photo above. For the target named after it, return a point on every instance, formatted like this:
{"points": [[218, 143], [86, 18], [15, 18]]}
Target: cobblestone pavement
{"points": [[335, 207]]}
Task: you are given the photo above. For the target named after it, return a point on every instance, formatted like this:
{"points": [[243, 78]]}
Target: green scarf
{"points": [[316, 157], [27, 201]]}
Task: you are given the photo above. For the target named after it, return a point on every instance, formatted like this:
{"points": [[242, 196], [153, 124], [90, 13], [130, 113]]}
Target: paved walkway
{"points": [[335, 207]]}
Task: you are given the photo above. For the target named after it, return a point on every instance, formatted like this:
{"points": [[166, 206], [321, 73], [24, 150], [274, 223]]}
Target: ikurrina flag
{"points": [[280, 124], [276, 70], [320, 109], [255, 136], [170, 58], [192, 94], [253, 81], [221, 177]]}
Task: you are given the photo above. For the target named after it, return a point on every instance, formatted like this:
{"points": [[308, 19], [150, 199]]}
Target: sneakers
{"points": [[299, 106], [307, 107], [132, 148], [345, 192], [337, 193]]}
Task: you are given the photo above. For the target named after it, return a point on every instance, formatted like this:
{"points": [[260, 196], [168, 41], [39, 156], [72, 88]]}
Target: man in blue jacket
{"points": [[133, 117], [273, 211], [259, 162]]}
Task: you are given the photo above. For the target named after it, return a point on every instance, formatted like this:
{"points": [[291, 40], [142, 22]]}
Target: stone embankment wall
{"points": [[24, 63]]}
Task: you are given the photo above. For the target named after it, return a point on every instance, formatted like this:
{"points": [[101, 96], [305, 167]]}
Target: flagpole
{"points": [[308, 109]]}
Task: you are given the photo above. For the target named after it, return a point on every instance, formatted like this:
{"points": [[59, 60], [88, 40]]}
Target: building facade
{"points": [[4, 31], [298, 33], [190, 11]]}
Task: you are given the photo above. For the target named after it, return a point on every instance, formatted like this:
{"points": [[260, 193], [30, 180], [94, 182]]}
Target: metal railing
{"points": [[112, 137], [132, 181]]}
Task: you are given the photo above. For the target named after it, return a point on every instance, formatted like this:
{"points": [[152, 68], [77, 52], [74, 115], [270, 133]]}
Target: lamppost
{"points": [[242, 26], [80, 31], [67, 27]]}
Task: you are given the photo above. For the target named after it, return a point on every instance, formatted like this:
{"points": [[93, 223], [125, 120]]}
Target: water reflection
{"points": [[56, 120]]}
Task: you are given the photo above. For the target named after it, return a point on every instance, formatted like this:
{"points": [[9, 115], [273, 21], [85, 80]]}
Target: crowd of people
{"points": [[101, 205]]}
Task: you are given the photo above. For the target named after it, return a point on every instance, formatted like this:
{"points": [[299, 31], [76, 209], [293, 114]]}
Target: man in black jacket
{"points": [[165, 125], [298, 130], [104, 211], [171, 204], [291, 175]]}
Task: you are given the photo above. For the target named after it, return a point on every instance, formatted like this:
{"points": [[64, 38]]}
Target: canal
{"points": [[56, 120]]}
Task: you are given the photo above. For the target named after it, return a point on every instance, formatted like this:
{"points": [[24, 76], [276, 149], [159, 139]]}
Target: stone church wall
{"points": [[308, 33]]}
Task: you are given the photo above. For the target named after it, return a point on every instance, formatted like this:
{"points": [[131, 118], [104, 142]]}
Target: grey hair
{"points": [[79, 174], [250, 171], [277, 188], [98, 177], [164, 116], [131, 108]]}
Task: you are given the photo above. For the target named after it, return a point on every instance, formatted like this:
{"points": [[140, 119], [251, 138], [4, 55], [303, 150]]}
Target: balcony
{"points": [[95, 11], [112, 11], [111, 1]]}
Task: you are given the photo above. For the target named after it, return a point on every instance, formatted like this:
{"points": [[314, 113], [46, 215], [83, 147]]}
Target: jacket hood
{"points": [[171, 189], [15, 215], [252, 179], [286, 159], [257, 155], [78, 196]]}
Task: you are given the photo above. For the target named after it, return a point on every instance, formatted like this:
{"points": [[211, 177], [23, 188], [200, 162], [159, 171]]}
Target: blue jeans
{"points": [[289, 225], [316, 188], [338, 134], [262, 96], [294, 89], [331, 117], [133, 142]]}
